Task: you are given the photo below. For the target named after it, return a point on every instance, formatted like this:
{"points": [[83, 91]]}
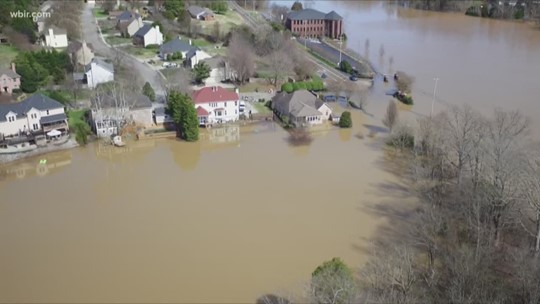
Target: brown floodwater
{"points": [[242, 212]]}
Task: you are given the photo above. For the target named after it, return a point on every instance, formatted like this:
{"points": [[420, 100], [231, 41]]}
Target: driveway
{"points": [[91, 35]]}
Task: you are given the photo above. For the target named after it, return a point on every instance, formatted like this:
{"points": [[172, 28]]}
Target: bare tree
{"points": [[531, 196], [67, 15], [178, 80], [216, 31], [505, 136], [391, 116], [461, 127], [404, 82], [280, 66], [241, 58]]}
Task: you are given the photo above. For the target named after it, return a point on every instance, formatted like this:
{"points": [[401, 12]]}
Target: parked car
{"points": [[170, 65], [323, 76], [353, 78], [329, 98]]}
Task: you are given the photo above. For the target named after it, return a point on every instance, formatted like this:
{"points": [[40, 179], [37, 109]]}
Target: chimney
{"points": [[50, 32], [189, 41], [13, 67], [237, 91]]}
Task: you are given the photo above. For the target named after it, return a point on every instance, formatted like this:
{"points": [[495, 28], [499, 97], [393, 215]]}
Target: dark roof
{"points": [[143, 30], [176, 45], [76, 45], [299, 103], [311, 14], [38, 101], [108, 66], [195, 10], [306, 14], [9, 73], [333, 16], [127, 15], [53, 118], [159, 111]]}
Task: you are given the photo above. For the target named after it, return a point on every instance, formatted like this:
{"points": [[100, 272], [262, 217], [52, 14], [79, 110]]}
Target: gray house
{"points": [[110, 113], [200, 13], [191, 54], [302, 108]]}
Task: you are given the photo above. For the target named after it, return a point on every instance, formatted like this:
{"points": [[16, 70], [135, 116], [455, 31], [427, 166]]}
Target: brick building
{"points": [[313, 23]]}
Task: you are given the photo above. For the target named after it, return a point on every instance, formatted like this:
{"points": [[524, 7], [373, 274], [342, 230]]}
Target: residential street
{"points": [[91, 35]]}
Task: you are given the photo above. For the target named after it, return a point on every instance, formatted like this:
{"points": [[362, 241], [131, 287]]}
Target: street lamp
{"points": [[434, 93], [340, 43]]}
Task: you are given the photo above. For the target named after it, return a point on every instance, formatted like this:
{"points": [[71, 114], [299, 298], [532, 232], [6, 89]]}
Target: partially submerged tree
{"points": [[345, 120], [391, 115], [404, 82]]}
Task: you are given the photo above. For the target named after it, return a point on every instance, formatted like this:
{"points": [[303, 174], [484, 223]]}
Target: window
{"points": [[47, 112], [225, 104], [236, 103], [225, 112], [218, 113], [11, 118], [235, 111], [35, 126]]}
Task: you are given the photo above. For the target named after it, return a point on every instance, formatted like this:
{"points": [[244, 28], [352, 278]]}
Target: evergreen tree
{"points": [[149, 91], [184, 115]]}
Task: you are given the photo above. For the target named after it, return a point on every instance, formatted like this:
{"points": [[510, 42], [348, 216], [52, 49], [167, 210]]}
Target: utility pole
{"points": [[434, 93], [340, 43]]}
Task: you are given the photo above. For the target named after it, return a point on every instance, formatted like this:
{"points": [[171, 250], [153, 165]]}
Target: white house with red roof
{"points": [[216, 105]]}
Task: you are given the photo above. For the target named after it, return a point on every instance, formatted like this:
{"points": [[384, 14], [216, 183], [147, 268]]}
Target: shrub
{"points": [[152, 46], [345, 121], [345, 66], [408, 100], [177, 56], [169, 57], [268, 104], [402, 137], [287, 87]]}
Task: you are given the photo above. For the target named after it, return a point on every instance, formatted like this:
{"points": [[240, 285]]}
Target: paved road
{"points": [[330, 53], [91, 35]]}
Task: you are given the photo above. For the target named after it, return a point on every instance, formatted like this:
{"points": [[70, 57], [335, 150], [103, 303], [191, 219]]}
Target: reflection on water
{"points": [[40, 166]]}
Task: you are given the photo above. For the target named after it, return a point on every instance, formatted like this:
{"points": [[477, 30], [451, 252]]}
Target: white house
{"points": [[216, 105], [56, 38], [190, 53], [108, 115], [37, 113], [98, 71], [128, 23], [148, 35]]}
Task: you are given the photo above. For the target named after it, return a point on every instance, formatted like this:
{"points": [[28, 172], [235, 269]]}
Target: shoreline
{"points": [[9, 158]]}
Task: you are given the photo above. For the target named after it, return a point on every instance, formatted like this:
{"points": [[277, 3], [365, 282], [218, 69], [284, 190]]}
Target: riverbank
{"points": [[7, 158]]}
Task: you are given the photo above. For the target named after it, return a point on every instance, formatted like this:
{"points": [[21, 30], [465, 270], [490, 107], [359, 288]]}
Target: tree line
{"points": [[474, 234]]}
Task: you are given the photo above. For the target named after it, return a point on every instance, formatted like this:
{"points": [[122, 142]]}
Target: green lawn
{"points": [[75, 117], [202, 43], [140, 52], [99, 13], [115, 40], [260, 107], [7, 54]]}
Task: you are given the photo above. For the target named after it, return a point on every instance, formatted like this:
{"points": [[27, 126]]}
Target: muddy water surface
{"points": [[239, 214]]}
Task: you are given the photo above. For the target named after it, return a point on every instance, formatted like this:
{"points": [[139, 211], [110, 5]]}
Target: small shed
{"points": [[335, 116]]}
